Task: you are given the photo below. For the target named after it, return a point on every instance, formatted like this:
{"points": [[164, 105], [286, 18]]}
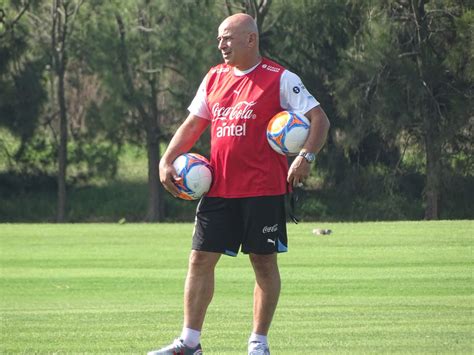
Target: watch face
{"points": [[310, 157]]}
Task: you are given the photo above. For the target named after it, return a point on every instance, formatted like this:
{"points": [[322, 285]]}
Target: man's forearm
{"points": [[318, 130], [185, 137]]}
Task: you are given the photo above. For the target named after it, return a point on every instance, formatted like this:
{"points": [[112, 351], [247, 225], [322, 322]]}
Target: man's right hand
{"points": [[186, 135], [168, 176]]}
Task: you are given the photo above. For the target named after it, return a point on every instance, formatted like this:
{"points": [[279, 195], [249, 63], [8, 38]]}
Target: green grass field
{"points": [[401, 287]]}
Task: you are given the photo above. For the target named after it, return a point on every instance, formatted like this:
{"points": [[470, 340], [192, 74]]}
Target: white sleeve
{"points": [[199, 106], [293, 94]]}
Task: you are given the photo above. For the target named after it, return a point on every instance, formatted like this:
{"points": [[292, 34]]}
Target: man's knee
{"points": [[202, 260], [264, 264]]}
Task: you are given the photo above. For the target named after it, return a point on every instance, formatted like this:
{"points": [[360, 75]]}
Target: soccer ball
{"points": [[287, 132], [195, 173]]}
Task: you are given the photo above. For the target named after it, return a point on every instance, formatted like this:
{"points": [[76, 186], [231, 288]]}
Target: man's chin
{"points": [[228, 61]]}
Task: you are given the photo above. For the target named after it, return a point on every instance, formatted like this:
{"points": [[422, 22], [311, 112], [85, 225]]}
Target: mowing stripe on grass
{"points": [[397, 287]]}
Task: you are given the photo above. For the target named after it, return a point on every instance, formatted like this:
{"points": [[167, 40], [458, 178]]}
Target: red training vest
{"points": [[241, 106]]}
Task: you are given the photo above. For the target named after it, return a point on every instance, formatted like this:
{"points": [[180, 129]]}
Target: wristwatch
{"points": [[310, 157]]}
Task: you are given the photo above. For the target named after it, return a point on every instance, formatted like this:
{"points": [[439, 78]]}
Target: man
{"points": [[245, 206]]}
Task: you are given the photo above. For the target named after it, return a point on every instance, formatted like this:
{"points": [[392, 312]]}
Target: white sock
{"points": [[190, 337], [254, 337]]}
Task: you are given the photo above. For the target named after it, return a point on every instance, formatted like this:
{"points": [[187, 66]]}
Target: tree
{"points": [[147, 108], [158, 50], [409, 73], [71, 90], [63, 13], [22, 94]]}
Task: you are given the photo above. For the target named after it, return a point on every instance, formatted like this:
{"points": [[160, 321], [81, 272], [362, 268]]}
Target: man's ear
{"points": [[252, 40]]}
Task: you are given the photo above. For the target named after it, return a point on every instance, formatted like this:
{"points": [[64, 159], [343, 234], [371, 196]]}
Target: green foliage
{"points": [[86, 159], [459, 57], [367, 193], [28, 194], [312, 208], [8, 143], [38, 157], [400, 79], [94, 159], [359, 58], [370, 194], [456, 195], [174, 56], [309, 37], [22, 92], [26, 197]]}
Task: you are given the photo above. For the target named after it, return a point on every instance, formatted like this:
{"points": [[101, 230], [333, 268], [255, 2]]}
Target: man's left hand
{"points": [[298, 172]]}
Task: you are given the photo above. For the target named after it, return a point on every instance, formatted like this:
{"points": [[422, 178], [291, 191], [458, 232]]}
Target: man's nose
{"points": [[221, 44]]}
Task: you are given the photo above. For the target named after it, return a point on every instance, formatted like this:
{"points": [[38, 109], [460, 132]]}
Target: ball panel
{"points": [[277, 141], [275, 146], [199, 179], [278, 122], [294, 141]]}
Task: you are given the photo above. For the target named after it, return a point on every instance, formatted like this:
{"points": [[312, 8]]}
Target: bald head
{"points": [[241, 22], [238, 41]]}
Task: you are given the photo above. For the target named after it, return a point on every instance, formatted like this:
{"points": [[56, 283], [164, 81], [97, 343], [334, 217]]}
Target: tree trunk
{"points": [[58, 45], [62, 153], [428, 112], [433, 171], [153, 214], [155, 205], [155, 196]]}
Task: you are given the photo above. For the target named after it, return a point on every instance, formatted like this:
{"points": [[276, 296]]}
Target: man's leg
{"points": [[198, 292], [266, 292], [199, 287]]}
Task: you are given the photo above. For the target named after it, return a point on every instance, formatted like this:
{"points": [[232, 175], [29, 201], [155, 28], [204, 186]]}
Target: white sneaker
{"points": [[257, 348], [177, 348]]}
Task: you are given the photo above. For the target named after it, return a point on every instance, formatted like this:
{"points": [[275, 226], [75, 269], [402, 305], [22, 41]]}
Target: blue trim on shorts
{"points": [[282, 248], [230, 253]]}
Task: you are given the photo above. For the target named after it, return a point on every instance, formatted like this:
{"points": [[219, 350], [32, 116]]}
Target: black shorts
{"points": [[255, 224]]}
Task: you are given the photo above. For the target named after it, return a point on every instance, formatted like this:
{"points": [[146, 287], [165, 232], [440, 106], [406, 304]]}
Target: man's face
{"points": [[233, 44]]}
